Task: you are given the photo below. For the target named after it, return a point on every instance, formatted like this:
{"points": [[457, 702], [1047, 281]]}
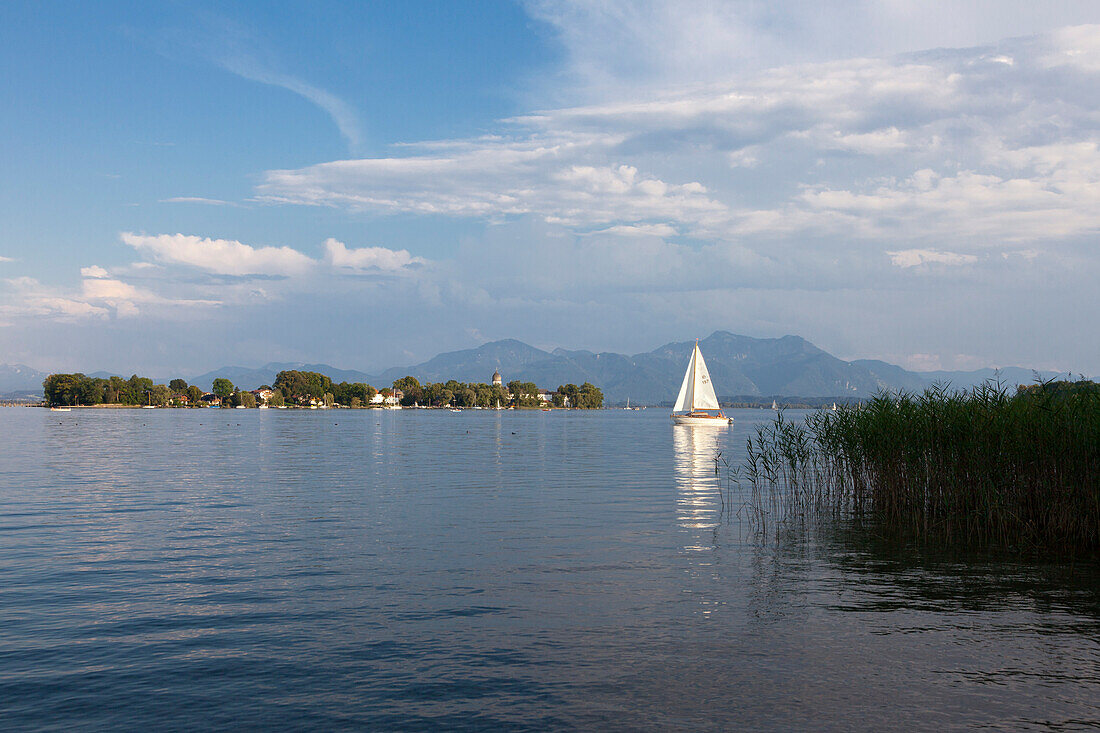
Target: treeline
{"points": [[305, 389], [478, 394], [78, 389]]}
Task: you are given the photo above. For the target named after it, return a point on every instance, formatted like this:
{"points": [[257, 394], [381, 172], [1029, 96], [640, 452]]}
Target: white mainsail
{"points": [[697, 391]]}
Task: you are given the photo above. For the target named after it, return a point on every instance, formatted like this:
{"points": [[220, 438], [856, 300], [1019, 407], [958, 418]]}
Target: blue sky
{"points": [[189, 185]]}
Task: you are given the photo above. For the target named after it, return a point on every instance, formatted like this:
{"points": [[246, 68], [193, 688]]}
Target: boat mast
{"points": [[694, 356]]}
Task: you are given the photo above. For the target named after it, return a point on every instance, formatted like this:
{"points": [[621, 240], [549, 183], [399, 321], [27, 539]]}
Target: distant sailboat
{"points": [[774, 405], [834, 407], [697, 396]]}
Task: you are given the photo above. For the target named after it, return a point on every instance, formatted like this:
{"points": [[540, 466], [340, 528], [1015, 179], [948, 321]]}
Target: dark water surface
{"points": [[174, 569]]}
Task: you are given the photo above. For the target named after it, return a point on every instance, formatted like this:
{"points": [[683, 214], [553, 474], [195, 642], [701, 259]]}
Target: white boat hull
{"points": [[715, 421]]}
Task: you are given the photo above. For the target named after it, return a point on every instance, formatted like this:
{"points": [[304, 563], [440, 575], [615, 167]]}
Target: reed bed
{"points": [[982, 467]]}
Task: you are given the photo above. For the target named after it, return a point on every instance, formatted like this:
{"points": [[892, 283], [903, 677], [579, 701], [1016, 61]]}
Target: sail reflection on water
{"points": [[698, 495]]}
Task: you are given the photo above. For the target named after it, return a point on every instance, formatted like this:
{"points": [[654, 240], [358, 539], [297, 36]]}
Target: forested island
{"points": [[310, 389]]}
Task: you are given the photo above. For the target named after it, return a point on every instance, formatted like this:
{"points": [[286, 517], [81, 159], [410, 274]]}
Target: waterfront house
{"points": [[263, 396], [387, 396]]}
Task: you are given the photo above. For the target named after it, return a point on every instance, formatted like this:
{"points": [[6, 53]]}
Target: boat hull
{"points": [[708, 420]]}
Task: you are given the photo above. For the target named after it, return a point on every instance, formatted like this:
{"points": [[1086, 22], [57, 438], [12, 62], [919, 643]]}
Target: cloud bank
{"points": [[974, 147]]}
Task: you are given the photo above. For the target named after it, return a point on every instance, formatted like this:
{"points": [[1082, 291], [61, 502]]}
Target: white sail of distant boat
{"points": [[834, 407], [697, 395], [774, 405]]}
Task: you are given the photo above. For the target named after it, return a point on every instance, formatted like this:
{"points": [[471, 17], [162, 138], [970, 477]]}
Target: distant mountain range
{"points": [[20, 382], [741, 367]]}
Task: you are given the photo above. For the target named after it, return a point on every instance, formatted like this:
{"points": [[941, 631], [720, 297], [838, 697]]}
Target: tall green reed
{"points": [[979, 466]]}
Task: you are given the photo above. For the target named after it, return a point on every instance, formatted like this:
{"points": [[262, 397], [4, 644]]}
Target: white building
{"points": [[381, 399]]}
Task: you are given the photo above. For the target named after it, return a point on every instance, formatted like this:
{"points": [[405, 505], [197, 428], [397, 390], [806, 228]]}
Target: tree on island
{"points": [[302, 386], [589, 397], [62, 389], [158, 394], [347, 393], [585, 397], [79, 389], [178, 386], [223, 389], [410, 388], [524, 394]]}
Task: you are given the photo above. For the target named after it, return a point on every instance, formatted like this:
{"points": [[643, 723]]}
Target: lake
{"points": [[340, 569]]}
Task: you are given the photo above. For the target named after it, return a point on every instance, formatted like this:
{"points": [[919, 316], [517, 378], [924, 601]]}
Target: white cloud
{"points": [[340, 111], [100, 296], [164, 294], [26, 297], [6, 259], [220, 256], [230, 257], [114, 290], [197, 200], [639, 230], [494, 179], [616, 45], [338, 255], [1051, 192], [1025, 254], [1077, 46], [914, 257]]}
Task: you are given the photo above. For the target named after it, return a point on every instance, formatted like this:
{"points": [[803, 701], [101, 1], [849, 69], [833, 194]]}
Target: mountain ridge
{"points": [[741, 366]]}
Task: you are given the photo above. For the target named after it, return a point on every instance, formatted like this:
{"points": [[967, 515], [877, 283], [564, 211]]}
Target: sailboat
{"points": [[775, 406], [697, 396]]}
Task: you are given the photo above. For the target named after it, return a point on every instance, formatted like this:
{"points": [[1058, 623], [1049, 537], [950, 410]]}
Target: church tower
{"points": [[496, 379]]}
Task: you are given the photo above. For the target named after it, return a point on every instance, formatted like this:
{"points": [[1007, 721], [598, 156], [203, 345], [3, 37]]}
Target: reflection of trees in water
{"points": [[882, 573], [902, 576], [698, 497]]}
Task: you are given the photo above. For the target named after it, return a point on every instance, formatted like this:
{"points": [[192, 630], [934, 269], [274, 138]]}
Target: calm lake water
{"points": [[175, 569]]}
